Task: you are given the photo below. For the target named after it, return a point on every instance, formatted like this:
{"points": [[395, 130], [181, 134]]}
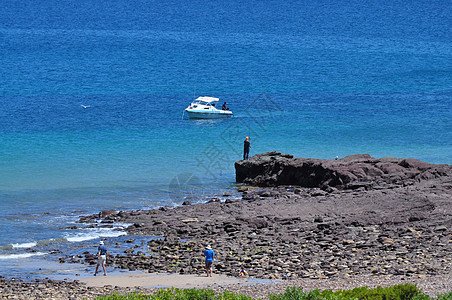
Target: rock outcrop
{"points": [[350, 172]]}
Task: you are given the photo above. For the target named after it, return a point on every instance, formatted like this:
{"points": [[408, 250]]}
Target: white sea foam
{"points": [[19, 256], [24, 245], [94, 233]]}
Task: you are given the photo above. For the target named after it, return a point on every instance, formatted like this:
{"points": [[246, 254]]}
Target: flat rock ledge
{"points": [[351, 172]]}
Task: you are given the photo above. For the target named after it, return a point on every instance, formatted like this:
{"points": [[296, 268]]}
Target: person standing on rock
{"points": [[246, 148], [101, 258], [209, 254]]}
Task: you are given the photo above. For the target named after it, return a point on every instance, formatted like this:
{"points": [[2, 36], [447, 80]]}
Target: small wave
{"points": [[81, 236], [24, 245], [94, 234], [19, 256], [32, 244]]}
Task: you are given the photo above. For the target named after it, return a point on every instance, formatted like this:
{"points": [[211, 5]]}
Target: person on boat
{"points": [[101, 258], [246, 147], [225, 107], [209, 254]]}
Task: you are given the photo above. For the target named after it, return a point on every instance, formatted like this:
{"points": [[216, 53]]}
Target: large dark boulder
{"points": [[354, 171]]}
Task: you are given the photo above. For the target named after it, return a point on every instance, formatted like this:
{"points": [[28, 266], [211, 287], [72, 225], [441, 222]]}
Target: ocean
{"points": [[92, 95]]}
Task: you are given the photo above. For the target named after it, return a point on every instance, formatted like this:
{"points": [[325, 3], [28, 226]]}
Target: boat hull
{"points": [[193, 114]]}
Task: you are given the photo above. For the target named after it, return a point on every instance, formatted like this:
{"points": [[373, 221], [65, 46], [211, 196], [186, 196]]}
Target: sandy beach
{"points": [[154, 280]]}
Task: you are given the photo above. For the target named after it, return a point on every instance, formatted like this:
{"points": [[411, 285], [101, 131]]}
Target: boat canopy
{"points": [[207, 99]]}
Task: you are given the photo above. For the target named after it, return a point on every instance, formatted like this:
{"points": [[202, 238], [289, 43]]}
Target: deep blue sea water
{"points": [[312, 78]]}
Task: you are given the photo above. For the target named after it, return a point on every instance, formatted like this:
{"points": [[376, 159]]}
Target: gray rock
{"points": [[441, 228]]}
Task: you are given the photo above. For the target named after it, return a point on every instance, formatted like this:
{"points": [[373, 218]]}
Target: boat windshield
{"points": [[201, 102]]}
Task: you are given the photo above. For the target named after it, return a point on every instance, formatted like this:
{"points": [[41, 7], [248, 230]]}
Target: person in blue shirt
{"points": [[209, 254], [101, 257], [243, 273]]}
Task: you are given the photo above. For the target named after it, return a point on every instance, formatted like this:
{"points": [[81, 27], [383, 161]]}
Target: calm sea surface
{"points": [[310, 78]]}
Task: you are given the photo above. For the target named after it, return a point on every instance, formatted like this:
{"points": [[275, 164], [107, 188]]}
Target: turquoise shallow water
{"points": [[313, 79]]}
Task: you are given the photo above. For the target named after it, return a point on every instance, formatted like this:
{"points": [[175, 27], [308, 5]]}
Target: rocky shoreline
{"points": [[314, 221], [400, 227]]}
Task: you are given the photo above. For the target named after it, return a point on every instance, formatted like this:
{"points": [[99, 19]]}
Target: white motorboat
{"points": [[204, 108]]}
